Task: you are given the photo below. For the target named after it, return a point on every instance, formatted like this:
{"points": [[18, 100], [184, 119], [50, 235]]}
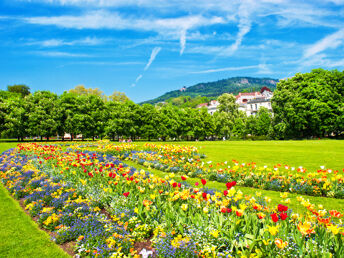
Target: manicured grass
{"points": [[310, 154], [20, 236], [7, 145]]}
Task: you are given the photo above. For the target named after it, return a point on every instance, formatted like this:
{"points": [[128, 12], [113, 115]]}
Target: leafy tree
{"points": [[117, 96], [22, 89], [16, 118], [310, 104], [92, 113], [240, 124], [113, 125], [71, 119], [228, 105], [82, 90], [263, 121], [149, 120], [43, 114]]}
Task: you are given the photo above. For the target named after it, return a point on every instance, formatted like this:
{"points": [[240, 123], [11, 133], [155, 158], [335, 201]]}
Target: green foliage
{"points": [[22, 89], [43, 114], [310, 104], [16, 118], [214, 89]]}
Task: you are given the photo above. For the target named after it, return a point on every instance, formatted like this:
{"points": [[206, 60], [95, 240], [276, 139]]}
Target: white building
{"points": [[249, 102], [213, 106], [254, 105]]}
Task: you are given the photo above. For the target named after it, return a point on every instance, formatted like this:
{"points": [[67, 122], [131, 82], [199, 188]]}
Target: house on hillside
{"points": [[202, 105], [213, 106], [243, 97], [254, 105], [249, 102]]}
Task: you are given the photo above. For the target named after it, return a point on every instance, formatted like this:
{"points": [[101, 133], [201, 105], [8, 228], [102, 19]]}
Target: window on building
{"points": [[256, 106]]}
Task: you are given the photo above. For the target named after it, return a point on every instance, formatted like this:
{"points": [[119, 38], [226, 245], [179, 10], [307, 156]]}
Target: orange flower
{"points": [[305, 228], [335, 214], [239, 213], [280, 244], [80, 238]]}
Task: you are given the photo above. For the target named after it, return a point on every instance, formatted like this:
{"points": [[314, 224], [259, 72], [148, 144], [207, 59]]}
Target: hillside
{"points": [[214, 89]]}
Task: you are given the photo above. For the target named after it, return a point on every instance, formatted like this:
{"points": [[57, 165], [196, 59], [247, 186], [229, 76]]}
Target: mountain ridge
{"points": [[216, 88]]}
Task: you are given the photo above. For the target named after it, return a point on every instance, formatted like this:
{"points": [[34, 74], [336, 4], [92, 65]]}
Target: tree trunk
{"points": [[18, 138], [41, 138], [93, 137], [47, 138]]}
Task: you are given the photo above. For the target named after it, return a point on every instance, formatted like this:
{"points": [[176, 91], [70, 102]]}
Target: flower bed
{"points": [[187, 160], [70, 193]]}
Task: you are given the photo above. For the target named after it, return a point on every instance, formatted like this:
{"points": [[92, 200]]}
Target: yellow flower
{"points": [[305, 228], [184, 207], [205, 210], [334, 229], [266, 242], [273, 230], [284, 195], [215, 233]]}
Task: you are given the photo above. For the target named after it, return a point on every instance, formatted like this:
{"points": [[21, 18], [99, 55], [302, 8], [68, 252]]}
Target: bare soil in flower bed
{"points": [[68, 247]]}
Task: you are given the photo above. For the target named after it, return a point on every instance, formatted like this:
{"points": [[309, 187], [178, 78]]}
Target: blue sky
{"points": [[146, 48]]}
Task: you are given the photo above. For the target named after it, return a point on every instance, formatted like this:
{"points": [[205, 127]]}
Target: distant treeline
{"points": [[306, 105]]}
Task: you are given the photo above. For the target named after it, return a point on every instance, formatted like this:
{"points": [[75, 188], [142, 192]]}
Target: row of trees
{"points": [[305, 105], [45, 114]]}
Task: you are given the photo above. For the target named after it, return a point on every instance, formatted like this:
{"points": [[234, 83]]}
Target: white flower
{"points": [[145, 253]]}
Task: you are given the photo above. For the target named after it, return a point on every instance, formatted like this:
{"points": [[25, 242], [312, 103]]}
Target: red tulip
{"points": [[225, 192], [283, 216], [229, 210], [274, 217], [282, 208], [90, 174], [204, 195], [174, 184], [203, 181], [110, 174], [126, 194], [184, 178], [196, 184], [179, 185], [224, 210]]}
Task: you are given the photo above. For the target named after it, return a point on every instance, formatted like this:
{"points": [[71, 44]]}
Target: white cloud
{"points": [[331, 41], [234, 68], [137, 80], [182, 41], [154, 53], [109, 20], [59, 54], [89, 41]]}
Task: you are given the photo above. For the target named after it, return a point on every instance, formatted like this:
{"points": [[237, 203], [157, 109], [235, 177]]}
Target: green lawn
{"points": [[20, 236], [310, 154]]}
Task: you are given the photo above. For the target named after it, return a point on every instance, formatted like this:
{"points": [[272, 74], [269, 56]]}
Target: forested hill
{"points": [[214, 89]]}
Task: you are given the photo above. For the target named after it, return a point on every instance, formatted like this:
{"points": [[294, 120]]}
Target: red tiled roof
{"points": [[203, 105]]}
